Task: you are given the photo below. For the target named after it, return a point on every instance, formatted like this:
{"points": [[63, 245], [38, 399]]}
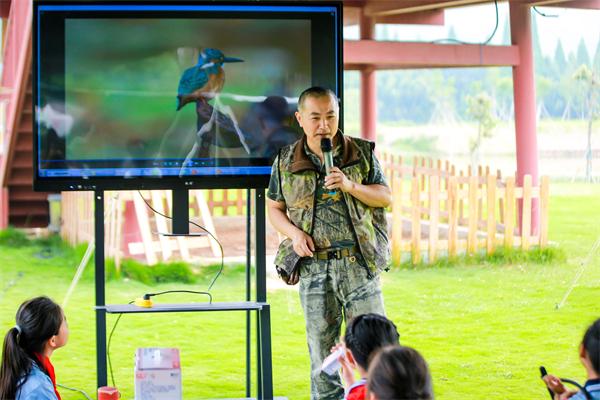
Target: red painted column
{"points": [[368, 86], [3, 208], [524, 99]]}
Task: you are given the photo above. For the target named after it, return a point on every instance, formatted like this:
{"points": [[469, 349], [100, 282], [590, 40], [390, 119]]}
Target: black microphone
{"points": [[544, 373], [327, 156]]}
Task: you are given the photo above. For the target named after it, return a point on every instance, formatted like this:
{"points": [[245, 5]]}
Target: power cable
{"points": [[146, 297], [74, 390], [198, 226], [544, 15], [478, 43]]}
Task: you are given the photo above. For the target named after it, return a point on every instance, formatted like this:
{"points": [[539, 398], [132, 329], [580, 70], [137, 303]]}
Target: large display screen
{"points": [[147, 95]]}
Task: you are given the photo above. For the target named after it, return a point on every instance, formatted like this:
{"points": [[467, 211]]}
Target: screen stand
{"points": [[181, 215], [181, 212]]}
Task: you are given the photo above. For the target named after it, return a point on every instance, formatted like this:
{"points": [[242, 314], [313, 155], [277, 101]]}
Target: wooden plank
{"points": [[526, 213], [423, 166], [119, 233], [472, 234], [240, 202], [461, 203], [501, 199], [397, 221], [162, 226], [141, 213], [509, 212], [491, 213], [416, 221], [207, 221], [544, 210], [479, 186], [434, 204]]}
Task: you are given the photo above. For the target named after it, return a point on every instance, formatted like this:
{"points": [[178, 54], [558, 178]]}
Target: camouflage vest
{"points": [[298, 180]]}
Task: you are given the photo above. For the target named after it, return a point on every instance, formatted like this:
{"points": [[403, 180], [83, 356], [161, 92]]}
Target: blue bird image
{"points": [[204, 80]]}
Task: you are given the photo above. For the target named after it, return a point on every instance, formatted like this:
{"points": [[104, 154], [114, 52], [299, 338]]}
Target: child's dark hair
{"points": [[399, 373], [591, 344], [37, 320], [366, 334]]}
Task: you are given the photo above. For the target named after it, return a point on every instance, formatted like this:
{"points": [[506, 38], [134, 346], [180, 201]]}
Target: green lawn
{"points": [[484, 329]]}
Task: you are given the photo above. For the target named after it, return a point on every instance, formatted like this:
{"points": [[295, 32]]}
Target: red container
{"points": [[108, 393]]}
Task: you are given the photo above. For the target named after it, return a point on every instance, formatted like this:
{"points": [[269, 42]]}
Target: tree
{"points": [[583, 57], [591, 87], [560, 61], [480, 108], [596, 64]]}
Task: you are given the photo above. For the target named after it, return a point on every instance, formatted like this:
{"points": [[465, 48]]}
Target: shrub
{"points": [[13, 237], [159, 273]]}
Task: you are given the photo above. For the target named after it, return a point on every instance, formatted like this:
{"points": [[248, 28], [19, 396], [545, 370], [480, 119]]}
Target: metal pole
{"points": [[261, 280], [100, 288], [248, 288]]}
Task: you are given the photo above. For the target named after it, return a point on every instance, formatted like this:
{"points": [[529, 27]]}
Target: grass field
{"points": [[484, 329]]}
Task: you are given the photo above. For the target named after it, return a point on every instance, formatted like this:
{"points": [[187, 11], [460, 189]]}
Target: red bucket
{"points": [[108, 393]]}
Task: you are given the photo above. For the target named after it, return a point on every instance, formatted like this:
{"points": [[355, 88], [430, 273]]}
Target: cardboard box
{"points": [[157, 374]]}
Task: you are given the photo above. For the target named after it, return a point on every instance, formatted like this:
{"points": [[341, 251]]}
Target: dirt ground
{"points": [[231, 232]]}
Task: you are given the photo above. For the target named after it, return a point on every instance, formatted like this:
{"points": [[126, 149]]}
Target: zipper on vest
{"points": [[366, 266], [314, 209]]}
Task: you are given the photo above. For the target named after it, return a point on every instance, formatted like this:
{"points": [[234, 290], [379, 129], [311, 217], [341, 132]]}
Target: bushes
{"points": [[502, 256], [12, 237], [160, 273], [53, 246]]}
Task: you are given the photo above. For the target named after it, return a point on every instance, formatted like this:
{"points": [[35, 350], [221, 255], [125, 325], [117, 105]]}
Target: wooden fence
{"points": [[144, 235], [439, 212]]}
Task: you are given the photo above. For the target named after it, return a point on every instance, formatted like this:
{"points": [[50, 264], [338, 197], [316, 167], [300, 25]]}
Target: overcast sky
{"points": [[476, 23]]}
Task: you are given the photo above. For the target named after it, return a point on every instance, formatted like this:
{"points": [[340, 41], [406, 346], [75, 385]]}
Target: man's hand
{"points": [[303, 244], [374, 195], [337, 180]]}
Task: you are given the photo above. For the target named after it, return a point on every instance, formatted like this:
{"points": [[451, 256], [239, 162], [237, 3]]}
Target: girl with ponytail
{"points": [[26, 371]]}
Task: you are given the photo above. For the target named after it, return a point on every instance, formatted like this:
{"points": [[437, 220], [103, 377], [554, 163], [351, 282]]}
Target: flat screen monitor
{"points": [[173, 94]]}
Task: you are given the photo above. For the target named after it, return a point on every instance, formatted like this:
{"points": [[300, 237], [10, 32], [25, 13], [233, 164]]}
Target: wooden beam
{"points": [[544, 3], [402, 55], [583, 4], [375, 8], [433, 17]]}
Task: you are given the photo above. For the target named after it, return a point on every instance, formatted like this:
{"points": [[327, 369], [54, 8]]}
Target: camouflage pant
{"points": [[329, 290]]}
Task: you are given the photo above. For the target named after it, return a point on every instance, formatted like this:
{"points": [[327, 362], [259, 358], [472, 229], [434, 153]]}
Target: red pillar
{"points": [[524, 99], [368, 86], [3, 207]]}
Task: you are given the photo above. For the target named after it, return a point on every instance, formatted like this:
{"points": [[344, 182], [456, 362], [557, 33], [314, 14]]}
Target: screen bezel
{"points": [[44, 183]]}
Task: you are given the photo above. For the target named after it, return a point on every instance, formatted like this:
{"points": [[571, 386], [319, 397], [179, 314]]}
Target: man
{"points": [[335, 227]]}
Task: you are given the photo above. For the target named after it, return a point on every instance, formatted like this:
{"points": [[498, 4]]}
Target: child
{"points": [[589, 354], [26, 371], [365, 334], [399, 373]]}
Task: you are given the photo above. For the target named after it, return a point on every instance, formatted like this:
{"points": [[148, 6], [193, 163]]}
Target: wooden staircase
{"points": [[20, 206], [26, 208]]}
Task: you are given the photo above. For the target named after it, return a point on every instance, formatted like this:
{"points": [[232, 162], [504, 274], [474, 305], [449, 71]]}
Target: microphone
{"points": [[327, 156]]}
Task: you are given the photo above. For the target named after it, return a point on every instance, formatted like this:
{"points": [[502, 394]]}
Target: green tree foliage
{"points": [[583, 57], [423, 95], [596, 64], [590, 86], [480, 108]]}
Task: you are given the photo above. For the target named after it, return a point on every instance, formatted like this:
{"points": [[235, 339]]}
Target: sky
{"points": [[570, 25]]}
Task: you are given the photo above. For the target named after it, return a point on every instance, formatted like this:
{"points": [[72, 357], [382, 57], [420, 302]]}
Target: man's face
{"points": [[319, 118]]}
